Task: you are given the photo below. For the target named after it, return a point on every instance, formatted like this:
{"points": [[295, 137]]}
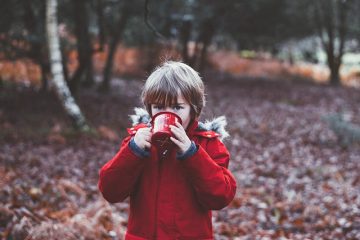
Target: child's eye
{"points": [[158, 107], [178, 107]]}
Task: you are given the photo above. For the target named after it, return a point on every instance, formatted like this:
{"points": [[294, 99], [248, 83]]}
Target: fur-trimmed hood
{"points": [[217, 124]]}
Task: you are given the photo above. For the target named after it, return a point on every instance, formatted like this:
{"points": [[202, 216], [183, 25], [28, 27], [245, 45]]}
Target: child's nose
{"points": [[169, 109]]}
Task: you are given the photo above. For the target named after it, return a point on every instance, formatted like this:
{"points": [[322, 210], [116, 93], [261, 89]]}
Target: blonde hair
{"points": [[169, 80]]}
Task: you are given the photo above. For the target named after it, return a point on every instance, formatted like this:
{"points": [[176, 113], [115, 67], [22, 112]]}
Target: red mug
{"points": [[161, 132]]}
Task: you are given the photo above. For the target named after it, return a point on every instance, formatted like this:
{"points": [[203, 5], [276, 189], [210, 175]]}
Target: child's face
{"points": [[181, 108]]}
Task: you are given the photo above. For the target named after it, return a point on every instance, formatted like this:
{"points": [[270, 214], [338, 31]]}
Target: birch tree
{"points": [[61, 88]]}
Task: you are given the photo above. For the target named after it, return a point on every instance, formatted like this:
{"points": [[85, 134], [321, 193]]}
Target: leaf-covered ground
{"points": [[295, 179]]}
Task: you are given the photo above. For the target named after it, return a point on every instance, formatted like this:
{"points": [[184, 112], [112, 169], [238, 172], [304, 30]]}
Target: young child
{"points": [[171, 196]]}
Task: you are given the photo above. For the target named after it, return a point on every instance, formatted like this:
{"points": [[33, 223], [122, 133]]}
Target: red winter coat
{"points": [[170, 198]]}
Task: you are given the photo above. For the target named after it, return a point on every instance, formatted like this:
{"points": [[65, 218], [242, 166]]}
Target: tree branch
{"points": [[342, 11], [149, 24], [319, 23]]}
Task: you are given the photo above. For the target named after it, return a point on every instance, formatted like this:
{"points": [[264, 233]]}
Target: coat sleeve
{"points": [[214, 185], [118, 177]]}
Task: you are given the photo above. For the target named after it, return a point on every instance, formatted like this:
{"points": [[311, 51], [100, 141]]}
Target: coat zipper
{"points": [[161, 159]]}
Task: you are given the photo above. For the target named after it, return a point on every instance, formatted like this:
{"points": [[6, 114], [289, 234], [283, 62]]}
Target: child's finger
{"points": [[178, 134], [145, 135], [147, 144], [145, 130], [173, 129], [178, 129], [179, 125], [147, 138], [177, 142]]}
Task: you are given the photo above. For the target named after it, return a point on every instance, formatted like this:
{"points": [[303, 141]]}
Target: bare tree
{"points": [[331, 18], [84, 72], [61, 87], [116, 37]]}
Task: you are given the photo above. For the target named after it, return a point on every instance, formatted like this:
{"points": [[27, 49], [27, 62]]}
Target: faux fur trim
{"points": [[217, 124], [140, 116]]}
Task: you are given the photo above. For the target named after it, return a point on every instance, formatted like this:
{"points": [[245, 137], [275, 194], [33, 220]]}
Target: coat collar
{"points": [[212, 128], [193, 125]]}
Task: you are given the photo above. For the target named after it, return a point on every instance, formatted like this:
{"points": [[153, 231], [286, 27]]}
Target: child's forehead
{"points": [[164, 101], [173, 100]]}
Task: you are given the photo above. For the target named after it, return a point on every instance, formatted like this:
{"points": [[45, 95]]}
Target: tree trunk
{"points": [[44, 79], [334, 77], [35, 24], [84, 47], [101, 24], [332, 20], [334, 66], [112, 49], [206, 37], [185, 33], [61, 88], [64, 63]]}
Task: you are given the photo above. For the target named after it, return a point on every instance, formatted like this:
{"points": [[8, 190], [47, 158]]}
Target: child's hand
{"points": [[181, 139], [143, 137]]}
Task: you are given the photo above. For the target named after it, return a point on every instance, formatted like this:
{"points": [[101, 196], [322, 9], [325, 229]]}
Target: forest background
{"points": [[285, 73]]}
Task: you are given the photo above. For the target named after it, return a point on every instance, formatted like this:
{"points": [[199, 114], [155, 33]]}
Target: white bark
{"points": [[61, 87]]}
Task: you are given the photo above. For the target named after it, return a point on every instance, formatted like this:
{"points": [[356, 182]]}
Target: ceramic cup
{"points": [[161, 132]]}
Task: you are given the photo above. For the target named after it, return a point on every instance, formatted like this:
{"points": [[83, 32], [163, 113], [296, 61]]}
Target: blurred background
{"points": [[285, 73]]}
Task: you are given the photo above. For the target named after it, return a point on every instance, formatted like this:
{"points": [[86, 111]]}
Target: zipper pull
{"points": [[165, 152]]}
